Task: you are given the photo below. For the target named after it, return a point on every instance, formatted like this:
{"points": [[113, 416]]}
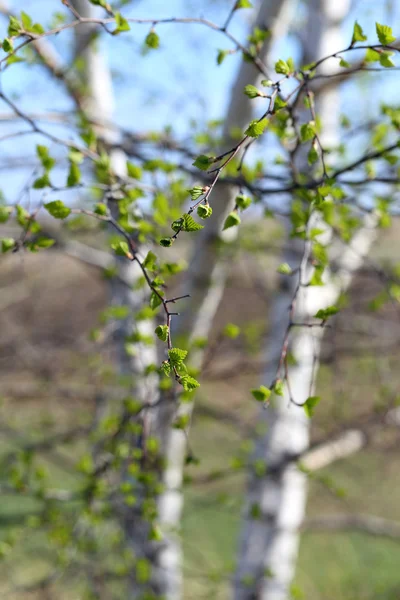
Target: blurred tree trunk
{"points": [[275, 503], [205, 283], [99, 108]]}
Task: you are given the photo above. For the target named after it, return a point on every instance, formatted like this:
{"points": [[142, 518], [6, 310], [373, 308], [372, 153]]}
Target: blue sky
{"points": [[176, 83]]}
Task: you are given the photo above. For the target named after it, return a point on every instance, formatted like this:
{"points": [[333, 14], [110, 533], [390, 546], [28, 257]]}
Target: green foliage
{"points": [[285, 269], [284, 67], [177, 356], [57, 209], [310, 404], [161, 332], [358, 34], [252, 92], [186, 223], [307, 131], [261, 394], [188, 383], [203, 162], [122, 24], [243, 202], [256, 128], [121, 248], [325, 313], [231, 220], [204, 211], [385, 34], [231, 331], [243, 4], [152, 40], [7, 244]]}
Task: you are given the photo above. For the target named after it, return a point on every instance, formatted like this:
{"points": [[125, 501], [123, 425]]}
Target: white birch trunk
{"points": [[269, 543], [205, 284], [100, 107]]}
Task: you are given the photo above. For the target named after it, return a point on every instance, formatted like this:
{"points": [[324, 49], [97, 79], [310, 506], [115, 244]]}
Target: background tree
{"points": [[122, 445]]}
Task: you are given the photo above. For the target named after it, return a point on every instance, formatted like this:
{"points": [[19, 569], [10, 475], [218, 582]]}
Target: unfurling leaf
{"points": [[285, 269], [282, 67], [57, 209], [189, 383], [166, 242], [261, 394], [307, 131], [310, 404], [256, 128], [152, 40], [231, 220], [177, 356], [243, 202], [252, 92], [122, 24], [196, 192], [7, 244], [385, 34], [162, 332], [122, 249], [204, 211], [358, 34], [243, 4], [324, 313], [231, 331], [203, 162]]}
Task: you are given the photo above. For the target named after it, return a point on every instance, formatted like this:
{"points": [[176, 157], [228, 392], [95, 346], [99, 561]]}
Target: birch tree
{"points": [[275, 505], [108, 530]]}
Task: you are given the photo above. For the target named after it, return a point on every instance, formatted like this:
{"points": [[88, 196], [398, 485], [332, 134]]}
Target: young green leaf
{"points": [[196, 192], [162, 332], [203, 162], [57, 209], [261, 394], [243, 202], [256, 128], [385, 60], [252, 92], [231, 220], [149, 262], [221, 55], [5, 212], [74, 175], [358, 34], [14, 27], [7, 244], [177, 356], [285, 269], [133, 170], [166, 242], [152, 40], [307, 131], [385, 34], [204, 211], [310, 404], [231, 331], [122, 249], [324, 313], [8, 45], [155, 300], [243, 4], [122, 24], [343, 63], [278, 387], [41, 182], [189, 383], [282, 67]]}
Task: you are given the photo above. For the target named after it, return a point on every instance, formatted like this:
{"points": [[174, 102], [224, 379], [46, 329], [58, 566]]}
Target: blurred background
{"points": [[56, 364]]}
